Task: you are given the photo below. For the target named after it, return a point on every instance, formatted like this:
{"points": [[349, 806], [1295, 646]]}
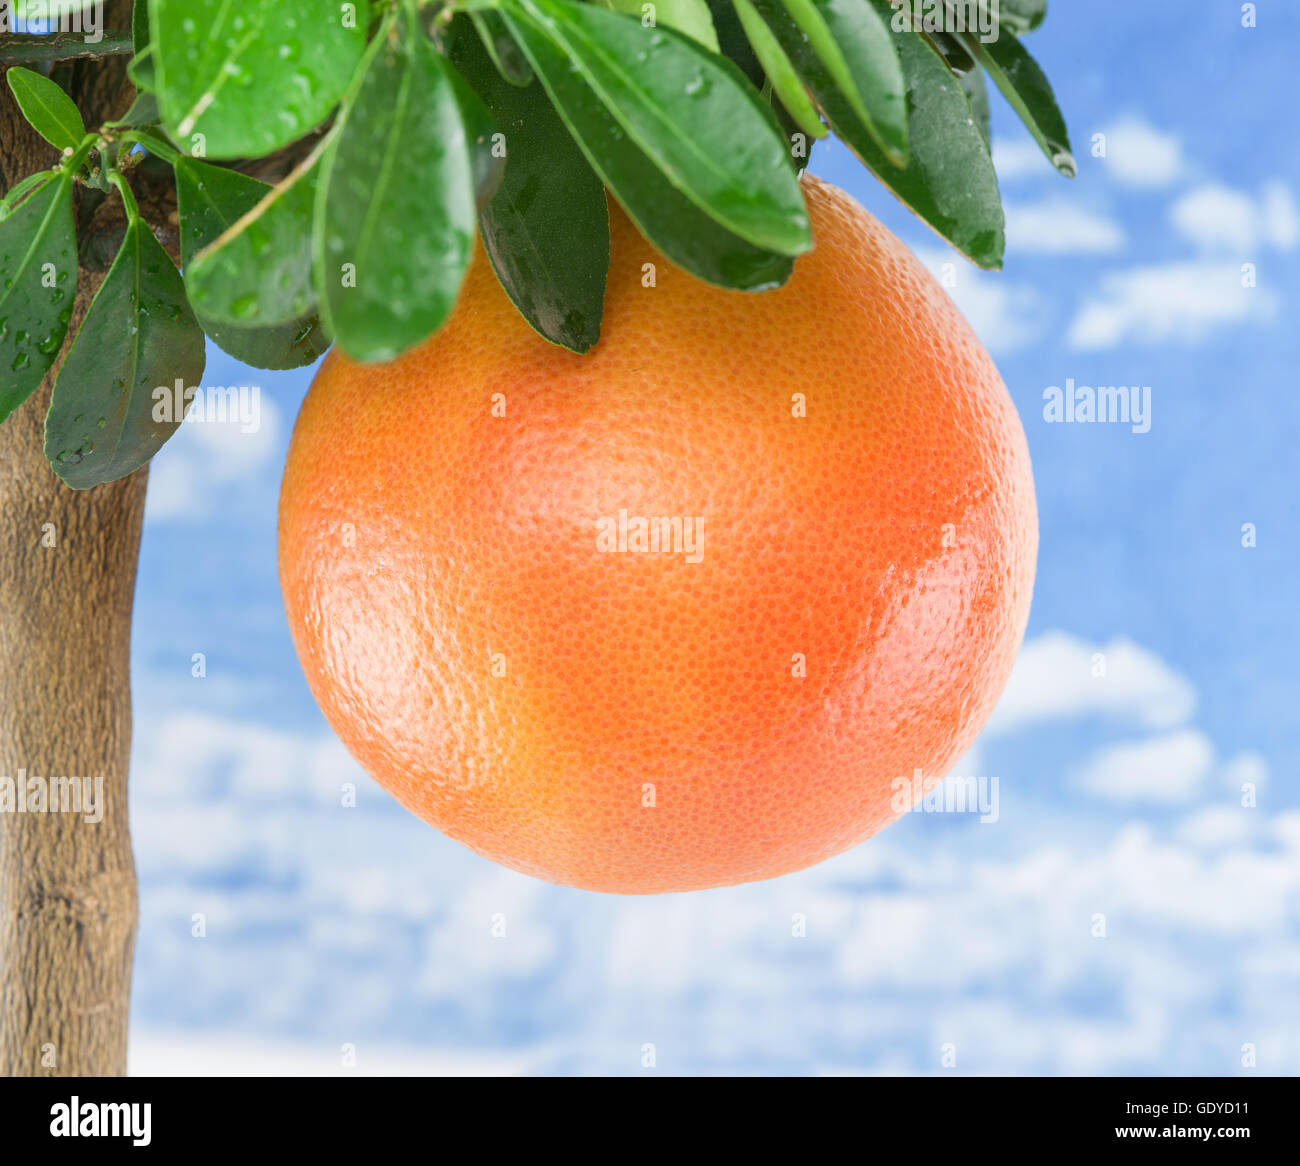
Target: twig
{"points": [[268, 200], [17, 47]]}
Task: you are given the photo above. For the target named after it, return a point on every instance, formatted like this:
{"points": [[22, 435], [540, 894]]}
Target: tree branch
{"points": [[17, 48]]}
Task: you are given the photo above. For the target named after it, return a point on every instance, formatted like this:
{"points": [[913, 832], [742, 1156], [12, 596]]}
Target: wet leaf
{"points": [[256, 272], [210, 200], [670, 220], [38, 284], [546, 230], [49, 110], [1017, 15], [245, 79], [977, 93], [291, 345], [735, 45], [952, 51], [480, 131], [396, 208], [507, 56], [949, 179], [779, 71], [686, 16], [689, 111], [143, 111], [1026, 87], [141, 66], [138, 336], [856, 50]]}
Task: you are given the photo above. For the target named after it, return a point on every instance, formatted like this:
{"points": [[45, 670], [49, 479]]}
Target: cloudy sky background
{"points": [[358, 940]]}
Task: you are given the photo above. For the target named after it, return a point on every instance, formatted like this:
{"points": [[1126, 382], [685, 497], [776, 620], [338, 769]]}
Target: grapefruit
{"points": [[687, 611]]}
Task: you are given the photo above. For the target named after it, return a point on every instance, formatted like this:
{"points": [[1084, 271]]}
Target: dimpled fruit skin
{"points": [[636, 722]]}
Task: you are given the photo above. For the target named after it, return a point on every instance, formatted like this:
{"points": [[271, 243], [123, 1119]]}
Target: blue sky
{"points": [[944, 939]]}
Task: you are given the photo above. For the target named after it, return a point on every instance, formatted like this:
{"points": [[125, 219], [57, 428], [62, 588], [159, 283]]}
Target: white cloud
{"points": [[1058, 226], [465, 943], [1216, 217], [1245, 769], [1162, 883], [1058, 676], [1139, 155], [188, 474], [1169, 769], [1217, 826], [1020, 158], [1177, 302], [1286, 829], [1280, 216], [1219, 218], [191, 1054], [247, 761], [366, 926]]}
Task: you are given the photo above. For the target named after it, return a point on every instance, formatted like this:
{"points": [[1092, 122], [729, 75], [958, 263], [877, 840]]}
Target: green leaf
{"points": [[138, 336], [210, 200], [141, 66], [143, 111], [140, 25], [779, 71], [480, 131], [506, 55], [395, 210], [1017, 15], [251, 78], [857, 51], [546, 230], [691, 17], [691, 112], [949, 179], [23, 186], [140, 69], [257, 272], [735, 45], [674, 224], [289, 345], [964, 68], [50, 111], [952, 51], [1024, 85], [977, 93], [38, 282]]}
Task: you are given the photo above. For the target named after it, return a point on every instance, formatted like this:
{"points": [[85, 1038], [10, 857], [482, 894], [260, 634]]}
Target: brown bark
{"points": [[67, 579]]}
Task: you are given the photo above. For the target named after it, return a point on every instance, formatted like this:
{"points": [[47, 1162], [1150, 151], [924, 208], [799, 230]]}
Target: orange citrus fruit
{"points": [[689, 610]]}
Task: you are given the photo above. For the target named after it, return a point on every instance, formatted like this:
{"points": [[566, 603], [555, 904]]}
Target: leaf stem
{"points": [[117, 178], [17, 47], [154, 145], [73, 162]]}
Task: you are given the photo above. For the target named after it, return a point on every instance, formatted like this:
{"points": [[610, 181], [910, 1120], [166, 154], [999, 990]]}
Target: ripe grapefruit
{"points": [[463, 539]]}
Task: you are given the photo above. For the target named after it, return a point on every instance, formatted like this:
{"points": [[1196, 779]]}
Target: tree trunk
{"points": [[67, 578], [67, 885]]}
